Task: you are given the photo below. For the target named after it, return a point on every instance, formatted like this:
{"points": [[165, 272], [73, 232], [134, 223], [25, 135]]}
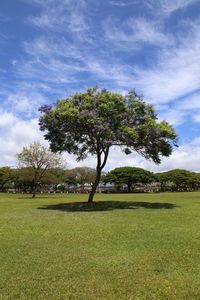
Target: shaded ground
{"points": [[106, 206]]}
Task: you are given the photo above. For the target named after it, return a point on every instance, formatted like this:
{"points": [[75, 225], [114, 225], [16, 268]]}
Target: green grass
{"points": [[134, 246]]}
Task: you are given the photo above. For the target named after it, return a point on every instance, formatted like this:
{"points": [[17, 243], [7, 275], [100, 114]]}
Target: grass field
{"points": [[134, 246]]}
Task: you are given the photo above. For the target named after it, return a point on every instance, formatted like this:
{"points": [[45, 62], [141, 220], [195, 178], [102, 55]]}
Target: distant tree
{"points": [[182, 179], [93, 121], [194, 180], [55, 177], [129, 176], [162, 179], [70, 178], [84, 175], [23, 178], [39, 159], [5, 177]]}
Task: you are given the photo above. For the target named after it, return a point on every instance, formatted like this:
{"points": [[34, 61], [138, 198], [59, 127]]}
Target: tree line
{"points": [[54, 180], [80, 179], [138, 179]]}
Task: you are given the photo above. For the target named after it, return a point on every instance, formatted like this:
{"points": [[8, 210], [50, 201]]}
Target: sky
{"points": [[52, 48]]}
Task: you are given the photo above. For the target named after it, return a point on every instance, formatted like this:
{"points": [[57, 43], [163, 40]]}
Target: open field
{"points": [[135, 246]]}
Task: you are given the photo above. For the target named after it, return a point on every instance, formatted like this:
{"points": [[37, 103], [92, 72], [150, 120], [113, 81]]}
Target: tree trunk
{"points": [[94, 186], [129, 187], [34, 191], [100, 165]]}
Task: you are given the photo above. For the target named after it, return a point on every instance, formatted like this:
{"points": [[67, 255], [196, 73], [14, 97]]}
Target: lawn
{"points": [[133, 246]]}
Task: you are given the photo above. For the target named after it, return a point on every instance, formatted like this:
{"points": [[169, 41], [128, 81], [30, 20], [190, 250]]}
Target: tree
{"points": [[182, 179], [39, 159], [5, 177], [56, 178], [129, 176], [93, 121], [23, 178], [162, 179], [84, 175]]}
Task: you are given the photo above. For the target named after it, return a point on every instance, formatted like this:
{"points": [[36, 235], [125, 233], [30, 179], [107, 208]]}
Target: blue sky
{"points": [[51, 48]]}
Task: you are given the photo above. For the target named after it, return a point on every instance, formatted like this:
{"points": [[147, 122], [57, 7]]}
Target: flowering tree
{"points": [[95, 120], [38, 159]]}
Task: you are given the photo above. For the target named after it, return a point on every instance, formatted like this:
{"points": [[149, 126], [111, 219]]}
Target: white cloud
{"points": [[185, 157], [16, 133], [6, 119]]}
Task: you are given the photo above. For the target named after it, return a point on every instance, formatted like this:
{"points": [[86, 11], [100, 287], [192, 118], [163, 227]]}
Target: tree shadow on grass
{"points": [[106, 206]]}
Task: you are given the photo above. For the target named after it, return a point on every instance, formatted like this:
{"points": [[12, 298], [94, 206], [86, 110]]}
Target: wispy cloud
{"points": [[167, 7], [196, 118], [122, 3], [135, 31], [173, 75], [176, 72], [190, 102], [62, 15]]}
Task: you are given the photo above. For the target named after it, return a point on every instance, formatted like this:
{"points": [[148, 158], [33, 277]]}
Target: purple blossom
{"points": [[106, 126], [91, 113], [110, 141], [84, 113], [119, 134], [40, 121], [45, 108]]}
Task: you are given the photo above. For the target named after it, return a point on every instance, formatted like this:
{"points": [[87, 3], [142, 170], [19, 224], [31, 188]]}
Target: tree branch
{"points": [[105, 157]]}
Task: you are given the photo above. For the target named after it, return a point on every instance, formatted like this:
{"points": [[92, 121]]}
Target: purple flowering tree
{"points": [[95, 120]]}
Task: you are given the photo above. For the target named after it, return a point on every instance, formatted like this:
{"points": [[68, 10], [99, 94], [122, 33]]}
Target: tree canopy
{"points": [[181, 179], [93, 121], [37, 159], [129, 176], [5, 177]]}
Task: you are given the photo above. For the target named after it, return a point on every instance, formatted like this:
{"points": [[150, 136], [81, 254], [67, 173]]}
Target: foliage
{"points": [[129, 176], [93, 121], [182, 179], [23, 179], [5, 177], [38, 159], [84, 175]]}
